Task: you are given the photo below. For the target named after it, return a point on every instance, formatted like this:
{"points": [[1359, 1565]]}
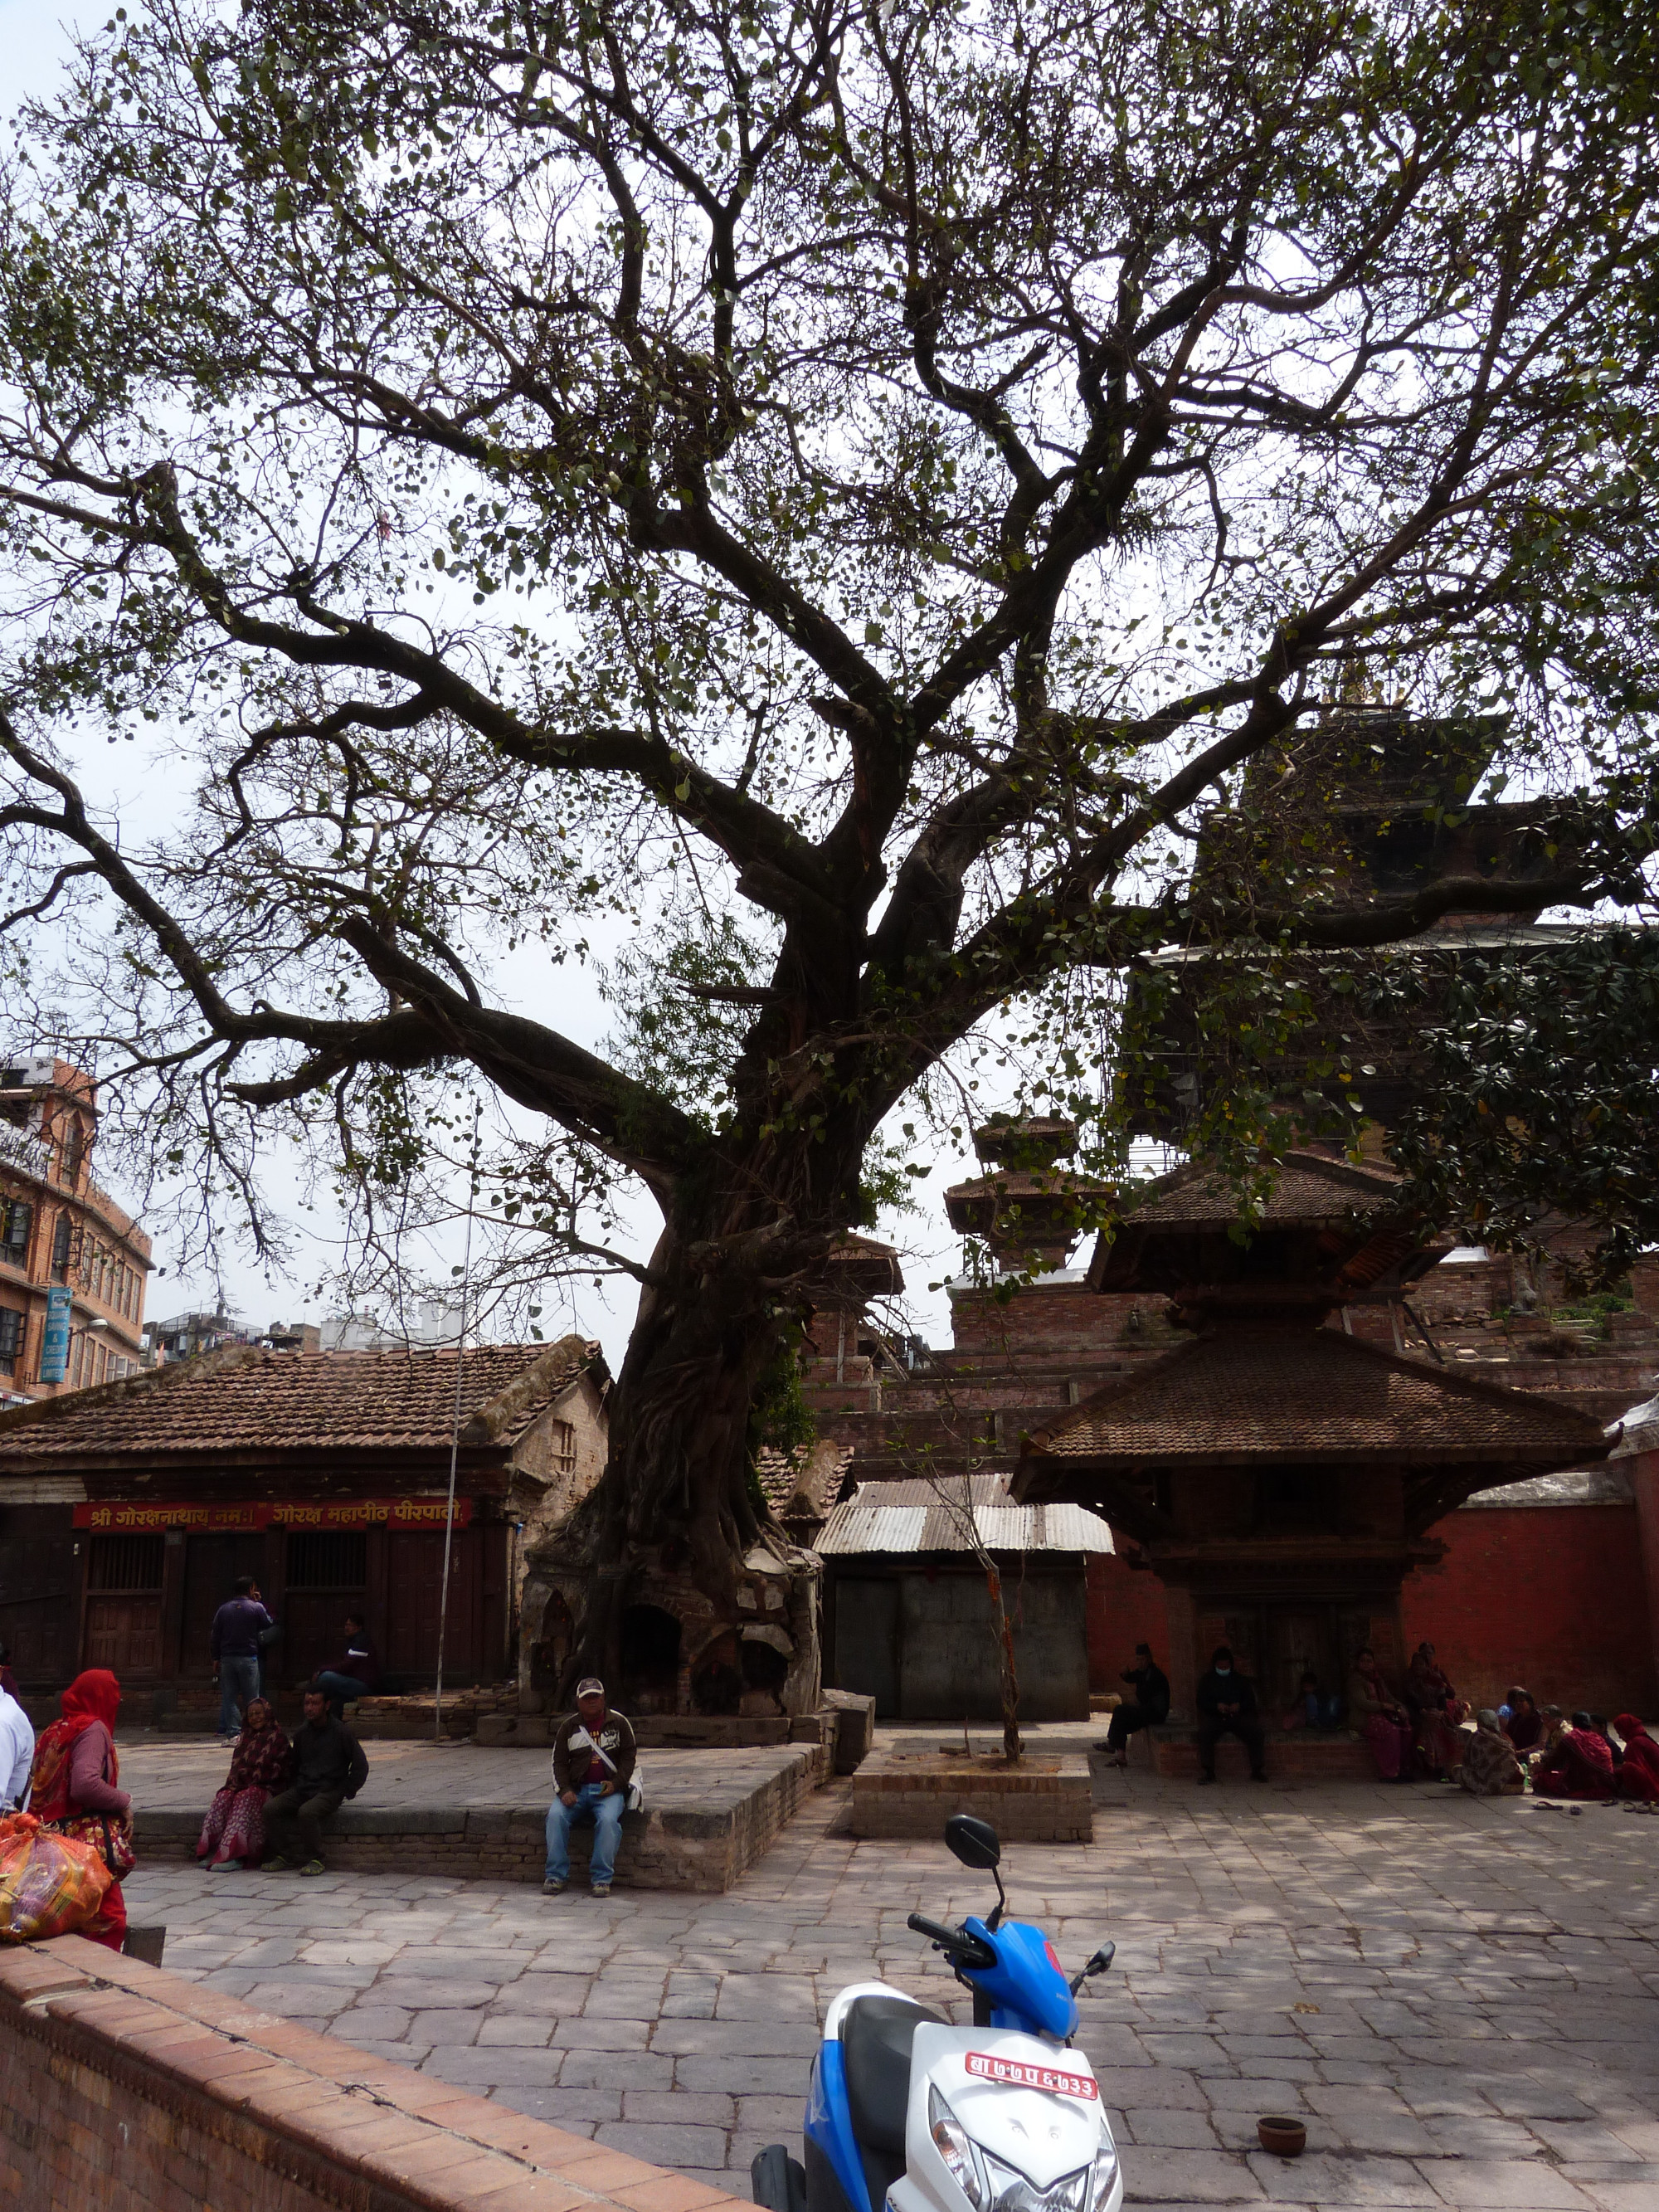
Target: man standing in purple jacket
{"points": [[235, 1647]]}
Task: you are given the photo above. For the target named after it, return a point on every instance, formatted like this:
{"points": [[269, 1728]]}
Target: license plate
{"points": [[1022, 2074]]}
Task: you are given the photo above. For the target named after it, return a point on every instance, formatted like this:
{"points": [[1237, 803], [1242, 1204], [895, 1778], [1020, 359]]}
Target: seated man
{"points": [[1581, 1765], [1313, 1708], [329, 1766], [1490, 1767], [594, 1755], [1149, 1708], [1227, 1706], [355, 1674]]}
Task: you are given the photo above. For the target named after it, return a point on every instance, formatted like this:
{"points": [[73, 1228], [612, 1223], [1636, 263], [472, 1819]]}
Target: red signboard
{"points": [[1023, 2076], [126, 1515]]}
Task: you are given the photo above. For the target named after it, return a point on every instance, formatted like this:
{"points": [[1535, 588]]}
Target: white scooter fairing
{"points": [[907, 2112]]}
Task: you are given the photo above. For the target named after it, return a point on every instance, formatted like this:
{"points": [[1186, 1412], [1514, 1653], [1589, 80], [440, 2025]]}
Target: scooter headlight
{"points": [[954, 2146], [990, 2185], [1105, 2177], [1011, 2191]]}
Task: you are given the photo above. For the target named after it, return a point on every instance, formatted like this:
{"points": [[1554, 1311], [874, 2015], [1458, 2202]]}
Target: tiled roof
{"points": [[247, 1401], [1311, 1394], [812, 1471], [931, 1515], [1308, 1189]]}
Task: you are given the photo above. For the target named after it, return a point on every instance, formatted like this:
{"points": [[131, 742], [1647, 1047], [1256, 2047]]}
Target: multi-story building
{"points": [[59, 1231]]}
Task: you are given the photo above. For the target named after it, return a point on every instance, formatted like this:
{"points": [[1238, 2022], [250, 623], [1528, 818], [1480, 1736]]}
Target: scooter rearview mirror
{"points": [[1101, 1959], [974, 1842]]}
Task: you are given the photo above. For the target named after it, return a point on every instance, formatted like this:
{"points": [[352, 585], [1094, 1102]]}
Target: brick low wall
{"points": [[1039, 1802], [128, 2090], [702, 1847], [1296, 1757]]}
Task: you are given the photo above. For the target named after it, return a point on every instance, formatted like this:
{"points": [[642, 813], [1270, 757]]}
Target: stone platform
{"points": [[910, 1789], [457, 1809], [1302, 1755]]}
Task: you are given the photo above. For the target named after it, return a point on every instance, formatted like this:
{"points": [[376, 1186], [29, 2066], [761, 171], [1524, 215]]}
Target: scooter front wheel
{"points": [[777, 2181]]}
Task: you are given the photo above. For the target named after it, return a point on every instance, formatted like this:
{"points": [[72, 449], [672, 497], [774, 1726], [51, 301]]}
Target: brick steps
{"points": [[696, 1835]]}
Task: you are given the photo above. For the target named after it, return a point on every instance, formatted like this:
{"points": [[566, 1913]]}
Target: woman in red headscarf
{"points": [[74, 1783], [1638, 1773]]}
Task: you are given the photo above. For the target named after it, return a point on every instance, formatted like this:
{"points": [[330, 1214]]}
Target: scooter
{"points": [[907, 2113]]}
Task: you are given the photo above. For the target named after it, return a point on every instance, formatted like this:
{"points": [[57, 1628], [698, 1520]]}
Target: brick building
{"points": [[59, 1231], [1551, 1581], [127, 1512], [907, 1617]]}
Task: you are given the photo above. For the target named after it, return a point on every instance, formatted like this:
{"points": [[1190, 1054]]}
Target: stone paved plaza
{"points": [[1461, 1999]]}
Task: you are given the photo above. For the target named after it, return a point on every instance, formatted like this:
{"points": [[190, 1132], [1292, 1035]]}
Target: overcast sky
{"points": [[35, 40]]}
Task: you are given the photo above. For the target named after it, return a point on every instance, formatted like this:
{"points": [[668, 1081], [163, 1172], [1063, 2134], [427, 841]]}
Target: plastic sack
{"points": [[50, 1885]]}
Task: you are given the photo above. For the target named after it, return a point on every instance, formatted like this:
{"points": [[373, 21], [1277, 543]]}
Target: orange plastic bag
{"points": [[50, 1885]]}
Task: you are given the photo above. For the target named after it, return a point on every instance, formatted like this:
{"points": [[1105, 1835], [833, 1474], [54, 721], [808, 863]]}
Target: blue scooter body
{"points": [[1026, 1990]]}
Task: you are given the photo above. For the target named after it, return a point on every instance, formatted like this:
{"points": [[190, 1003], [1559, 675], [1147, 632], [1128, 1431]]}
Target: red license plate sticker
{"points": [[1023, 2076]]}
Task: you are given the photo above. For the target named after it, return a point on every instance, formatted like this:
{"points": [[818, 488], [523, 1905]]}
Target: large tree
{"points": [[850, 490]]}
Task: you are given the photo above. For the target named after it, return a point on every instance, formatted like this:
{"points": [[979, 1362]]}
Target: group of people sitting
{"points": [[281, 1788], [1421, 1730], [1564, 1755]]}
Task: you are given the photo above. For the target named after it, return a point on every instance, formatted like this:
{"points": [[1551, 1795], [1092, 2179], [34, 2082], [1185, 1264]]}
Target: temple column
{"points": [[1183, 1653], [1642, 1468]]}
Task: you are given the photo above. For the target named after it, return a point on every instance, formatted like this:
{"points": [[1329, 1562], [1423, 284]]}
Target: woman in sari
{"points": [[1581, 1765], [1380, 1717], [1490, 1767], [1638, 1772], [1436, 1712], [1523, 1724], [73, 1781], [235, 1829]]}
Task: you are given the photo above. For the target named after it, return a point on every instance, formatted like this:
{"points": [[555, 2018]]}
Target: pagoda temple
{"points": [[1279, 1474]]}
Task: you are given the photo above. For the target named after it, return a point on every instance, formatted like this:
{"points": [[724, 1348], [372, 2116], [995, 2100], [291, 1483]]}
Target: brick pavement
{"points": [[1458, 1997]]}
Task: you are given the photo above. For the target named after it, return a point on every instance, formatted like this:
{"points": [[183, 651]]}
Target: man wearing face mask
{"points": [[1227, 1706]]}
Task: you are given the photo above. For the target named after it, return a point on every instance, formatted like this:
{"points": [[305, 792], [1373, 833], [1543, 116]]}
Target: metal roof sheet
{"points": [[928, 1514]]}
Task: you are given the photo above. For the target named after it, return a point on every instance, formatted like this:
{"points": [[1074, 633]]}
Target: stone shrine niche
{"points": [[677, 1654], [650, 1661], [549, 1649]]}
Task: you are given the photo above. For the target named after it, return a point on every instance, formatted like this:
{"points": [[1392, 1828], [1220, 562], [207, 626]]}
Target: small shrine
{"points": [[1278, 1472], [1027, 1208]]}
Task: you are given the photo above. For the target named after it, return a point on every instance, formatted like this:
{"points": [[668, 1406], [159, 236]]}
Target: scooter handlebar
{"points": [[968, 1950]]}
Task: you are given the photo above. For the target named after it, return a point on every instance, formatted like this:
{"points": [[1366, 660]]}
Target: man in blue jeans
{"points": [[594, 1755], [235, 1644]]}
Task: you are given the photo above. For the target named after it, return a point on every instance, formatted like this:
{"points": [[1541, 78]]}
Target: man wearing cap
{"points": [[594, 1755]]}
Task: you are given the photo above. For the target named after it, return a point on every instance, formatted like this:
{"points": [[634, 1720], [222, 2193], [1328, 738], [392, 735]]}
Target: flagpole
{"points": [[455, 1434]]}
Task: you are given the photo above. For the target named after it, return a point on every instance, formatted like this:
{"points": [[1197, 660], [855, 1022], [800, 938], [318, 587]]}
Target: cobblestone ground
{"points": [[1462, 2000]]}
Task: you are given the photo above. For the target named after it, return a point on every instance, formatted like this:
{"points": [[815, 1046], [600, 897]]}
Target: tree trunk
{"points": [[1003, 1629], [675, 1497]]}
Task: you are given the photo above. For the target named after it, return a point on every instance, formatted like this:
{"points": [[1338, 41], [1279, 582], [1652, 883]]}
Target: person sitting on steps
{"points": [[1149, 1708], [1227, 1706], [328, 1767], [593, 1756]]}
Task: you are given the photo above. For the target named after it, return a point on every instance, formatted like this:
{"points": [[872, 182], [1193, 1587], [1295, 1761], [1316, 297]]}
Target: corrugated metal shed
{"points": [[931, 1515]]}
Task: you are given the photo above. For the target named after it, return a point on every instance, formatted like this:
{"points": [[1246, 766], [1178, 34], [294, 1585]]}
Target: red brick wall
{"points": [[1126, 1606], [1550, 1596], [127, 2090]]}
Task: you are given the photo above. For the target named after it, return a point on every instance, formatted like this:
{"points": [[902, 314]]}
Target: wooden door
{"points": [[1299, 1638], [212, 1564], [414, 1583], [867, 1640], [40, 1594], [122, 1628], [326, 1578]]}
